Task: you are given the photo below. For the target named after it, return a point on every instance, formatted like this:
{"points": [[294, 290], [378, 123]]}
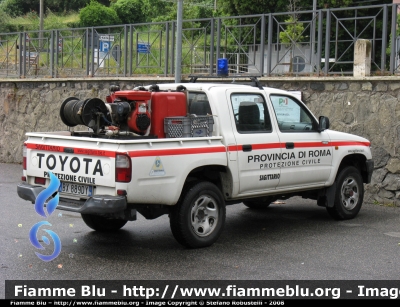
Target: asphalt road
{"points": [[293, 240]]}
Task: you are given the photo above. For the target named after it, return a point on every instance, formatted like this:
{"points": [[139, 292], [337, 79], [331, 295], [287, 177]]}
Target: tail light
{"points": [[40, 180], [24, 156], [123, 168]]}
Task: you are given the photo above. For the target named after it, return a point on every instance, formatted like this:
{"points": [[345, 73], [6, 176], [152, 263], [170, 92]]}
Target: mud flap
{"points": [[327, 197]]}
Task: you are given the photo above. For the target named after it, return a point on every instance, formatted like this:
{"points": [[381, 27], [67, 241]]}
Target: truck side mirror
{"points": [[323, 123]]}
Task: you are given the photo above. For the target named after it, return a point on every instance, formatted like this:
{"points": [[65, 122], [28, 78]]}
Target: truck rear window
{"points": [[251, 114]]}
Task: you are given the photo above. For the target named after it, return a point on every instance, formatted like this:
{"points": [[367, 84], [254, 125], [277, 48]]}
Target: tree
{"points": [[240, 7], [16, 8], [293, 32], [129, 11], [192, 10], [245, 7], [294, 29], [152, 9], [96, 14], [389, 48], [4, 22]]}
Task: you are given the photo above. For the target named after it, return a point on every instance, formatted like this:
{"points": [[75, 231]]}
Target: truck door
{"points": [[306, 158], [257, 143]]}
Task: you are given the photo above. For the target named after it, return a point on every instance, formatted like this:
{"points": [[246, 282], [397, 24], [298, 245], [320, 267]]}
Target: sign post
{"points": [[105, 42]]}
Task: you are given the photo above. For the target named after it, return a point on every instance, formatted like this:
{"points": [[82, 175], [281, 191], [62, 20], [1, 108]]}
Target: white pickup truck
{"points": [[190, 149]]}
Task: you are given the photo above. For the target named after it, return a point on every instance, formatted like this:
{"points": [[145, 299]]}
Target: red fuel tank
{"points": [[131, 95], [166, 104]]}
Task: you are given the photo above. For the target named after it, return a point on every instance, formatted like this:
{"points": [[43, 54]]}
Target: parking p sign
{"points": [[105, 42], [105, 46]]}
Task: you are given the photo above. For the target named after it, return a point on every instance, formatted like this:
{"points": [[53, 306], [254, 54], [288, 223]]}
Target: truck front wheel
{"points": [[198, 218], [101, 223], [349, 194]]}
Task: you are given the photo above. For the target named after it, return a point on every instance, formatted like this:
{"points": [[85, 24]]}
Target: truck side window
{"points": [[250, 112], [199, 104], [291, 115]]}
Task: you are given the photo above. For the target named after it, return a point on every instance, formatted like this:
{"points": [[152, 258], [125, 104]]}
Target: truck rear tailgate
{"points": [[85, 168]]}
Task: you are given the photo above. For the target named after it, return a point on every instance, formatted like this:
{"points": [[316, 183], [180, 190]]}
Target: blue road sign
{"points": [[105, 46], [143, 48]]}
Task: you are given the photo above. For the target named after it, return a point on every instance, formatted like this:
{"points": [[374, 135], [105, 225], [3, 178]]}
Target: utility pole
{"points": [[313, 31], [40, 23], [178, 62]]}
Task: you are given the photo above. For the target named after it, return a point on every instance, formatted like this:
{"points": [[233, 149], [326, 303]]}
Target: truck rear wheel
{"points": [[349, 194], [101, 223], [198, 218]]}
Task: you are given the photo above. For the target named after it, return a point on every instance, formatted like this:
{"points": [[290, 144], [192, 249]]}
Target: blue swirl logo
{"points": [[45, 194], [39, 208]]}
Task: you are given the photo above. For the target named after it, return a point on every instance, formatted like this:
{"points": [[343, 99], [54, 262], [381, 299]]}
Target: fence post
{"points": [[21, 61], [130, 60], [211, 47], [319, 43], [126, 31], [393, 51], [384, 35], [166, 49], [178, 70], [172, 48], [327, 41], [218, 38], [269, 49], [51, 49], [262, 45], [88, 69], [362, 58]]}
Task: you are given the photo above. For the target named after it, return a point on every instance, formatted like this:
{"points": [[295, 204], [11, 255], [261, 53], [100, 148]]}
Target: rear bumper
{"points": [[28, 192], [97, 204]]}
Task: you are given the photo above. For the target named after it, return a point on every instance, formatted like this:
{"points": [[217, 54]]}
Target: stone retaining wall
{"points": [[369, 107]]}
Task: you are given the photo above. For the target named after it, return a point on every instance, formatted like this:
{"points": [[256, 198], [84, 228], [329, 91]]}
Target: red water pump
{"points": [[134, 113], [130, 110]]}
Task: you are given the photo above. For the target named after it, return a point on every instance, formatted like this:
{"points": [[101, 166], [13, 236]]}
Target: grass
{"points": [[389, 205], [31, 21]]}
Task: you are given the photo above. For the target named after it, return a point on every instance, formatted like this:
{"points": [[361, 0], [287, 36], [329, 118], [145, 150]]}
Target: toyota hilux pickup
{"points": [[190, 149]]}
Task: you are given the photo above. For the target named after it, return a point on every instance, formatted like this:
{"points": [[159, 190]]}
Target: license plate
{"points": [[76, 189]]}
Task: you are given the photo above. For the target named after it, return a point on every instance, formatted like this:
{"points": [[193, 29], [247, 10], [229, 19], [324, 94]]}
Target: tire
{"points": [[259, 204], [349, 194], [198, 218], [100, 223]]}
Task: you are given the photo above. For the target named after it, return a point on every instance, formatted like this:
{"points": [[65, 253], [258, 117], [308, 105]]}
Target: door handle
{"points": [[289, 145], [247, 148]]}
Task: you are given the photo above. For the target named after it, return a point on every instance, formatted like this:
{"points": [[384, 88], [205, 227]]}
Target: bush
{"points": [[129, 11], [61, 21], [16, 8], [5, 23], [96, 14]]}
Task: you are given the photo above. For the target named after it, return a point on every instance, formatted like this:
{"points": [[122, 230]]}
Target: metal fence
{"points": [[314, 42]]}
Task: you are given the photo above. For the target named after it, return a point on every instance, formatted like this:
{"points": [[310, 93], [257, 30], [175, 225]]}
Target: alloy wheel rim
{"points": [[204, 216], [350, 193]]}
